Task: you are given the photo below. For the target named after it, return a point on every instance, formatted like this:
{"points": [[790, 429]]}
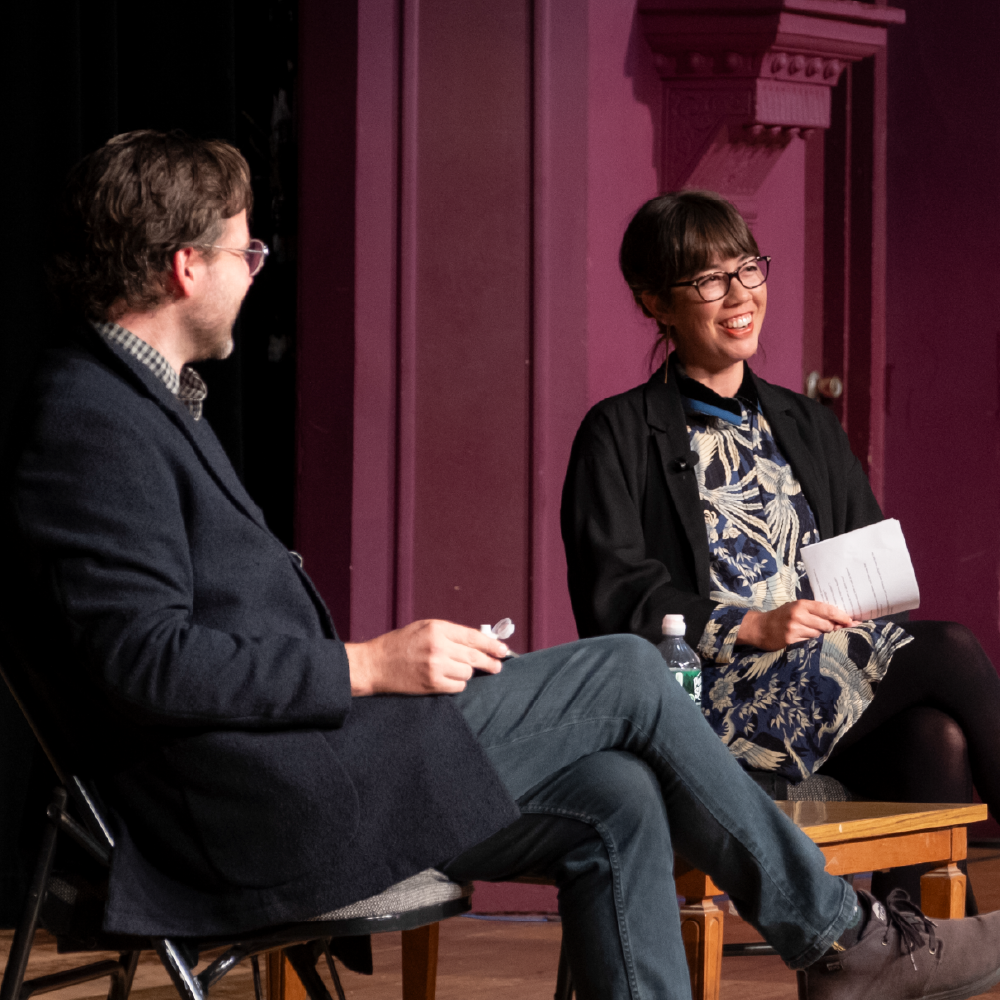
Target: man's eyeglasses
{"points": [[715, 286], [254, 254]]}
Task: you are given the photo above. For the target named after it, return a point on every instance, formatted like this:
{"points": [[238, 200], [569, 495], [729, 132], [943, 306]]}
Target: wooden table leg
{"points": [[283, 982], [942, 893], [701, 930], [420, 959]]}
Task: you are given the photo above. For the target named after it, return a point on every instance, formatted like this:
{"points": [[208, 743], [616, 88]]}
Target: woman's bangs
{"points": [[707, 241]]}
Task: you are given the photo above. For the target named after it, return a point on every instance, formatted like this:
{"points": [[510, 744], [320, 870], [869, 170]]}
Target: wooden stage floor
{"points": [[494, 960]]}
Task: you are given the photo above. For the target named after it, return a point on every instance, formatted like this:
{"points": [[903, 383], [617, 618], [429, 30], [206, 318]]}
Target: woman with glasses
{"points": [[694, 493]]}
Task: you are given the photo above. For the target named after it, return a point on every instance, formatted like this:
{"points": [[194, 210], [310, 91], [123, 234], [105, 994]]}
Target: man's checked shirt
{"points": [[188, 387]]}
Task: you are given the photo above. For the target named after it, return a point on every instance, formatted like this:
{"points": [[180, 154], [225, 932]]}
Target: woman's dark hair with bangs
{"points": [[676, 235]]}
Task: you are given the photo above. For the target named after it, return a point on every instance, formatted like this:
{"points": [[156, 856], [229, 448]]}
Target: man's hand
{"points": [[426, 657], [790, 623]]}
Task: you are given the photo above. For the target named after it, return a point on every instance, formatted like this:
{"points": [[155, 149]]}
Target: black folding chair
{"points": [[74, 814]]}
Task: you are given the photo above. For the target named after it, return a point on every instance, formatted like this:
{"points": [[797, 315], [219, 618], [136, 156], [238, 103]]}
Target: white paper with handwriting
{"points": [[866, 572]]}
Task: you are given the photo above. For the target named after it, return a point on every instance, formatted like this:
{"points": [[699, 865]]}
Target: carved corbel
{"points": [[742, 78]]}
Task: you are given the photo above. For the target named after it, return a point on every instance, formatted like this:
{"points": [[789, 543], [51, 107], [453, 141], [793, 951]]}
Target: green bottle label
{"points": [[690, 680]]}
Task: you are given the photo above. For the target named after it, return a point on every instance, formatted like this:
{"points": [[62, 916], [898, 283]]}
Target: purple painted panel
{"points": [[623, 101], [780, 232], [325, 335], [470, 362], [943, 427], [623, 173], [513, 897], [559, 355], [942, 401], [374, 509]]}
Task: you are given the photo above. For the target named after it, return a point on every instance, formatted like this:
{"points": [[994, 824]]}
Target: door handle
{"points": [[829, 387]]}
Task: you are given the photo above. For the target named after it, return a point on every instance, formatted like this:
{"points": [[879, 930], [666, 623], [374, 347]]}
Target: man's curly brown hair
{"points": [[131, 205]]}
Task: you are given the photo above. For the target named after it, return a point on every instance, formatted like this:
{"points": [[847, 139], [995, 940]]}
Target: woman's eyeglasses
{"points": [[715, 286], [254, 254]]}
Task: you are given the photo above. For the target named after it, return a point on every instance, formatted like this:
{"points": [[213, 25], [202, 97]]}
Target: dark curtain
{"points": [[76, 74]]}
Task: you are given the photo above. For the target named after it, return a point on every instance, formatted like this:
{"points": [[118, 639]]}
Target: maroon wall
{"points": [[560, 181], [943, 381], [470, 295], [943, 407], [325, 334], [466, 355], [500, 150], [373, 530]]}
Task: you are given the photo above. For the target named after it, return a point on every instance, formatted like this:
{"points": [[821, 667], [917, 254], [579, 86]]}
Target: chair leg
{"points": [[420, 959], [333, 973], [564, 977], [258, 992], [24, 937], [282, 981], [121, 981], [303, 960], [183, 978]]}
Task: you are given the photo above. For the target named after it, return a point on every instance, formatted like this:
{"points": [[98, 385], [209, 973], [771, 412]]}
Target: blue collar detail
{"points": [[697, 406]]}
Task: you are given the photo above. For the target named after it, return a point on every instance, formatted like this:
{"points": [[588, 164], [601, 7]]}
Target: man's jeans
{"points": [[614, 767]]}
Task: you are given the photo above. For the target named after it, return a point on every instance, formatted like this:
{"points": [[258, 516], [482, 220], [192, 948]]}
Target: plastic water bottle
{"points": [[681, 659]]}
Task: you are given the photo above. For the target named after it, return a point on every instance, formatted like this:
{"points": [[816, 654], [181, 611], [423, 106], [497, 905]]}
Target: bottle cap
{"points": [[673, 625], [503, 629]]}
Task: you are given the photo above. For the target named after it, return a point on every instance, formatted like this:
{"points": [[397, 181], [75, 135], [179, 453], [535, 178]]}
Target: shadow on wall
{"points": [[640, 69], [646, 89]]}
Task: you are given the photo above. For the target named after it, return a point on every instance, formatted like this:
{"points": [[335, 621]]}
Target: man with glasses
{"points": [[260, 769]]}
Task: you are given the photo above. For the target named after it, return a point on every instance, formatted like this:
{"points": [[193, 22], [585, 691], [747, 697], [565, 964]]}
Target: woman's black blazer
{"points": [[632, 520]]}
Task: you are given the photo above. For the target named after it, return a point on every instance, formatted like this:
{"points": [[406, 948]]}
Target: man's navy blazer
{"points": [[190, 664]]}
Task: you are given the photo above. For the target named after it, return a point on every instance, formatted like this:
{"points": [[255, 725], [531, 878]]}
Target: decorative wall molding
{"points": [[741, 78]]}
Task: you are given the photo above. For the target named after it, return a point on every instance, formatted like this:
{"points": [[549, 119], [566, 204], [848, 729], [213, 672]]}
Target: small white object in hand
{"points": [[503, 629]]}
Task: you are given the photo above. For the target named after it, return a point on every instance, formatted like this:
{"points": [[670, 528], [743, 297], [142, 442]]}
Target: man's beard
{"points": [[213, 344], [212, 332]]}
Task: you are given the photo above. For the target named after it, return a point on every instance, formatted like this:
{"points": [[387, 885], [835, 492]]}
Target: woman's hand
{"points": [[790, 623]]}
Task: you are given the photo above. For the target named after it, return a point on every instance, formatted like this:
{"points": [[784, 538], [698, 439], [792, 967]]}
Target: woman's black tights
{"points": [[930, 733]]}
